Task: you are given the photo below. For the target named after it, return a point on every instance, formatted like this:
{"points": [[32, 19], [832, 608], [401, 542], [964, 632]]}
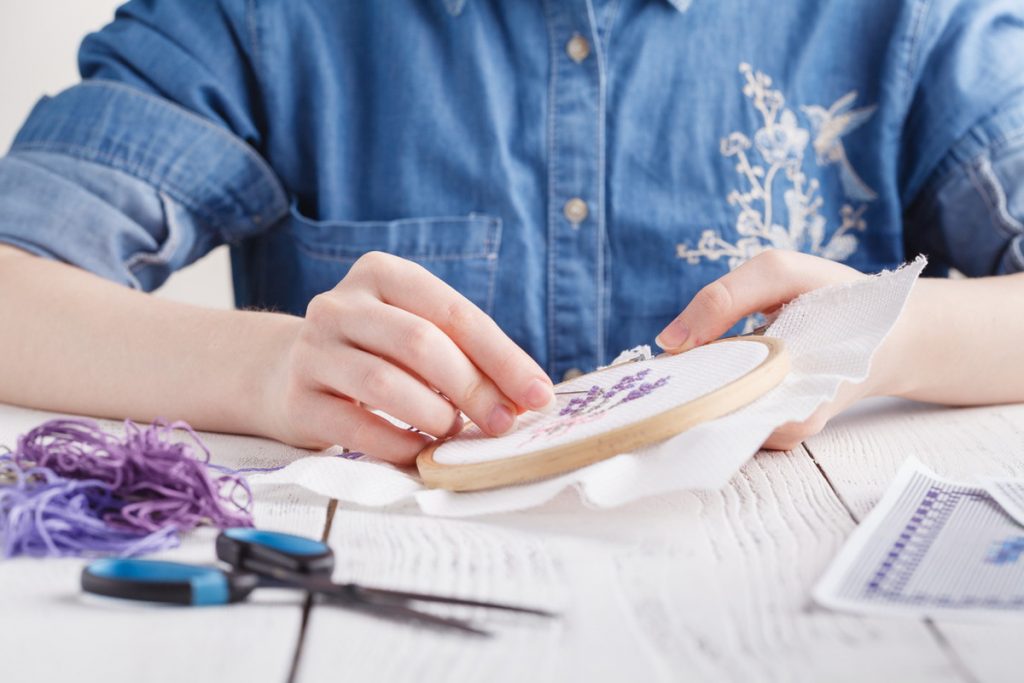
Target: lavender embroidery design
{"points": [[598, 401]]}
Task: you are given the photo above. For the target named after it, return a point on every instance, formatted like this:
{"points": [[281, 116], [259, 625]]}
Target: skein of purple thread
{"points": [[69, 488]]}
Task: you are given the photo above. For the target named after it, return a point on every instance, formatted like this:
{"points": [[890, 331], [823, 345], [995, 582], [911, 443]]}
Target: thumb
{"points": [[763, 283]]}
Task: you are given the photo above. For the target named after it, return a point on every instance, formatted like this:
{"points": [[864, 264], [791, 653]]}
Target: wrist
{"points": [[258, 376]]}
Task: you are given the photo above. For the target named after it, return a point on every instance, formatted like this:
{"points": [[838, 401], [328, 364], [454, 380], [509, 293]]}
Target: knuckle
{"points": [[320, 309], [372, 260], [374, 264], [715, 299], [325, 314], [460, 317], [506, 363], [474, 392], [377, 383], [359, 435], [772, 260], [440, 419], [417, 341]]}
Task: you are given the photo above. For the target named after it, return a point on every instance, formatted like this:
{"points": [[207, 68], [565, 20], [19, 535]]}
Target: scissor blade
{"points": [[356, 591], [426, 597], [402, 613], [348, 595]]}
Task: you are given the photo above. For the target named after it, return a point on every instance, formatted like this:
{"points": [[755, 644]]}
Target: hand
{"points": [[762, 285], [392, 336]]}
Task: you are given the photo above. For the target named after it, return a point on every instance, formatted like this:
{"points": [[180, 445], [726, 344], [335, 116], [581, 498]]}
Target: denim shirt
{"points": [[577, 169]]}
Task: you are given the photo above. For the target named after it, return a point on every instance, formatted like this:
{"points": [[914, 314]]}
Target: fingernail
{"points": [[539, 395], [673, 336], [501, 419]]}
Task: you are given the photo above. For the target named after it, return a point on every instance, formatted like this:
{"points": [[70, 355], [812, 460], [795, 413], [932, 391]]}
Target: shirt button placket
{"points": [[576, 191]]}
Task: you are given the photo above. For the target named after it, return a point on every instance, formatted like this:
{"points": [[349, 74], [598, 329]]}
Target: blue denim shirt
{"points": [[578, 169]]}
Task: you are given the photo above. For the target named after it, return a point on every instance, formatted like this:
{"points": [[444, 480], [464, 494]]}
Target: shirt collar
{"points": [[454, 7]]}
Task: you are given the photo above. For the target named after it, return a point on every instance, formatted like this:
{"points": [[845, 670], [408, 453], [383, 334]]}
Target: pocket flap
{"points": [[417, 239]]}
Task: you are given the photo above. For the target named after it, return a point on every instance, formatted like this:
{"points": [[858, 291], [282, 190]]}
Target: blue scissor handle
{"points": [[285, 543], [265, 552], [169, 582]]}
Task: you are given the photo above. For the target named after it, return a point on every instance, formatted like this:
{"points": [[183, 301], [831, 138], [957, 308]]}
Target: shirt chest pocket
{"points": [[461, 250]]}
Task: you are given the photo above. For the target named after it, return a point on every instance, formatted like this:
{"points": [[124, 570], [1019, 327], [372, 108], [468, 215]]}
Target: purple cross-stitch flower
{"points": [[598, 401]]}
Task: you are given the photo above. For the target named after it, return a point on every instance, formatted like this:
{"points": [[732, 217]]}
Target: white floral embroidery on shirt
{"points": [[779, 146]]}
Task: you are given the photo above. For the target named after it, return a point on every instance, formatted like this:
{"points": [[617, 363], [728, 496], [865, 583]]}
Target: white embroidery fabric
{"points": [[625, 395], [831, 335]]}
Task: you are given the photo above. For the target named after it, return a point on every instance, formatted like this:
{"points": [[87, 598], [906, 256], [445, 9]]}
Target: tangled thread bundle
{"points": [[72, 489]]}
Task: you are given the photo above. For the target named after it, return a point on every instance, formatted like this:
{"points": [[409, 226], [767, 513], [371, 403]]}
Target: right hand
{"points": [[392, 336]]}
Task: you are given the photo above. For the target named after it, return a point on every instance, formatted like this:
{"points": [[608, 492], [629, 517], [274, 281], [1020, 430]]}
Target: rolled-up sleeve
{"points": [[972, 216], [963, 161], [152, 160]]}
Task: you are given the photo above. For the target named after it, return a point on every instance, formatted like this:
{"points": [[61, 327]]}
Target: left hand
{"points": [[762, 285]]}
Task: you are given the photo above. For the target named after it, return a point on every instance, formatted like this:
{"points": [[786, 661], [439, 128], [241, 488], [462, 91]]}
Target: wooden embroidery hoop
{"points": [[648, 431]]}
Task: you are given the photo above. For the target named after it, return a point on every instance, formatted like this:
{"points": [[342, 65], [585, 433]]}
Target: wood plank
{"points": [[50, 631], [860, 453], [709, 586]]}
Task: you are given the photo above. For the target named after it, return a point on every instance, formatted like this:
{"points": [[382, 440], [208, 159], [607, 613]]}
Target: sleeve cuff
{"points": [[201, 166]]}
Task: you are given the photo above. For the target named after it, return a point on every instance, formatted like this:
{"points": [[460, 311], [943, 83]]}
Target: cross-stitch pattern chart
{"points": [[609, 412], [936, 547]]}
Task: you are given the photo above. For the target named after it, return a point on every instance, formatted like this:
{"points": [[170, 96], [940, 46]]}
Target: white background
{"points": [[38, 47]]}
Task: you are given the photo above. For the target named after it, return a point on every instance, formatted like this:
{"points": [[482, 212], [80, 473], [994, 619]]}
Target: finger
{"points": [[419, 345], [374, 381], [792, 434], [337, 421], [786, 438], [765, 282], [411, 287]]}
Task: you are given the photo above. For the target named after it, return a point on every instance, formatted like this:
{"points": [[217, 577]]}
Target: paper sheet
{"points": [[830, 334], [931, 548], [1009, 494]]}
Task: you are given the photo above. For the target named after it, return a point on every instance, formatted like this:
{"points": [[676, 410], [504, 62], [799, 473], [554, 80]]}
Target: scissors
{"points": [[259, 559]]}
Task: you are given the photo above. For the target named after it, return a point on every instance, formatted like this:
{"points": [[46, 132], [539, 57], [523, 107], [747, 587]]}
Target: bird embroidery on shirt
{"points": [[779, 199], [830, 126]]}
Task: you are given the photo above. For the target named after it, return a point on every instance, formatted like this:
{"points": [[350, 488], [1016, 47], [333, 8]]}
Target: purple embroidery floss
{"points": [[597, 401], [73, 489]]}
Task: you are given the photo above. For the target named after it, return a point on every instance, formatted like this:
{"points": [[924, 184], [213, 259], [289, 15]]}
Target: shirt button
{"points": [[578, 48], [575, 210], [571, 373]]}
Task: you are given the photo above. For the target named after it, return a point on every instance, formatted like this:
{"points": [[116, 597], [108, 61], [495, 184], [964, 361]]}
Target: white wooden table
{"points": [[691, 586]]}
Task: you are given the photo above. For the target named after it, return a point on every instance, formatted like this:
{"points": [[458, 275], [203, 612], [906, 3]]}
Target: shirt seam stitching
{"points": [[552, 170], [915, 30], [261, 164], [117, 162], [601, 176]]}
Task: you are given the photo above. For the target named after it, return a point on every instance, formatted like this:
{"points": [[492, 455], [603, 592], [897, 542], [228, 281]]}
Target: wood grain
{"points": [[711, 586], [696, 586], [860, 454]]}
